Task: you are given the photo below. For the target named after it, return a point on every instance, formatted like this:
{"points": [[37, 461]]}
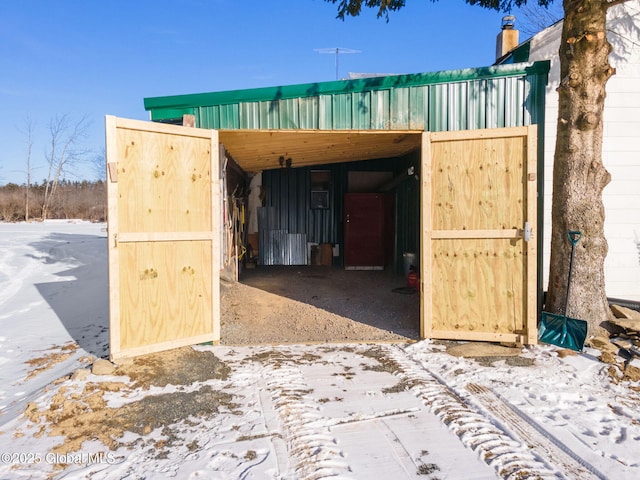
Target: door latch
{"points": [[527, 232]]}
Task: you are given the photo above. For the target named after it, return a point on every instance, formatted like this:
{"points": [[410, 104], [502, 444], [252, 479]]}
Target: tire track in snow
{"points": [[538, 440], [271, 420], [313, 451], [509, 457]]}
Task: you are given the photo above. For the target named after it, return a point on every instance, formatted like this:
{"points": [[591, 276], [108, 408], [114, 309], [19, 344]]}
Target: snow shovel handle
{"points": [[574, 237]]}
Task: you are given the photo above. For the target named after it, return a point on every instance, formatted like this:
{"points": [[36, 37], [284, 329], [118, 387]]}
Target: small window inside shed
{"points": [[320, 183]]}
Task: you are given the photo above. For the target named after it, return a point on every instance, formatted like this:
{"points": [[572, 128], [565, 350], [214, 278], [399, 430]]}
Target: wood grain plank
{"points": [[532, 244], [426, 256], [478, 284], [111, 151], [510, 233], [166, 292], [164, 182]]}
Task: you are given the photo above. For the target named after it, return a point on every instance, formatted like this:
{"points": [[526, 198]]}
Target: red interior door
{"points": [[364, 231]]}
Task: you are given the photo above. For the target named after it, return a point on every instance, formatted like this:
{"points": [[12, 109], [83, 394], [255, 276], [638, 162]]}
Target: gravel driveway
{"points": [[317, 304]]}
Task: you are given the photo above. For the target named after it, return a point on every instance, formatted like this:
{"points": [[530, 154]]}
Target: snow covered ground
{"points": [[286, 412]]}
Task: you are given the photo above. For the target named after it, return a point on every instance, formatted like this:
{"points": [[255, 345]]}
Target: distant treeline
{"points": [[79, 200]]}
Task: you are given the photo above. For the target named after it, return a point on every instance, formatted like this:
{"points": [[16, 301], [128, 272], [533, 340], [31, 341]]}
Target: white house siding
{"points": [[621, 147]]}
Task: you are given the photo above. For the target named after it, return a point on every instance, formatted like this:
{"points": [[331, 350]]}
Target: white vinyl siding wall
{"points": [[621, 147]]}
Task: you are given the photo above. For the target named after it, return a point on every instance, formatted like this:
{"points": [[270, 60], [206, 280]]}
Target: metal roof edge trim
{"points": [[172, 112], [343, 86]]}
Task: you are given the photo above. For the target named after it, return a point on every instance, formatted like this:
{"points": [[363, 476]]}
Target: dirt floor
{"points": [[297, 304]]}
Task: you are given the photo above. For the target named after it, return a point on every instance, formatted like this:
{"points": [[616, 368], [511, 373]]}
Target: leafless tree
{"points": [[533, 18], [64, 152], [29, 127], [99, 165]]}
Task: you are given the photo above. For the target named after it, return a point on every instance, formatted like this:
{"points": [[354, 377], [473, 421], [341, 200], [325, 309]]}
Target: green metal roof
{"points": [[517, 55], [177, 105]]}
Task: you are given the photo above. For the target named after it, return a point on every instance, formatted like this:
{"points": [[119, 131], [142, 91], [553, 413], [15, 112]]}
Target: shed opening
{"points": [[330, 234]]}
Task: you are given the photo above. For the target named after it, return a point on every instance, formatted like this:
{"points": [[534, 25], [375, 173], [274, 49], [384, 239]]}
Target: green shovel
{"points": [[561, 330]]}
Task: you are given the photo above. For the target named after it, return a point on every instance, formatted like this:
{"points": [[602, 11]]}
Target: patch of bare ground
{"points": [[181, 366], [55, 355], [621, 372], [279, 358], [74, 414]]}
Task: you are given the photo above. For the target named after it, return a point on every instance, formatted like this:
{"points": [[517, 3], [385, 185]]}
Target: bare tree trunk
{"points": [[28, 132], [51, 161], [579, 176], [62, 154], [28, 190]]}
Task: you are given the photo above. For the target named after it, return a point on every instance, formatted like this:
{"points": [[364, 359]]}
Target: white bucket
{"points": [[408, 259]]}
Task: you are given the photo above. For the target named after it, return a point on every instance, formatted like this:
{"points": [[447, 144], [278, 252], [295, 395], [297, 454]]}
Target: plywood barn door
{"points": [[479, 219], [164, 236]]}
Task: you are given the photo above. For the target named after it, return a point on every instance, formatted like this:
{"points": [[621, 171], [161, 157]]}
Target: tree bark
{"points": [[579, 176]]}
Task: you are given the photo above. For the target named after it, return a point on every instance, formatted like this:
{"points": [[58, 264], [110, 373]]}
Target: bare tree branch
{"points": [[28, 131], [99, 165], [533, 18], [64, 151], [613, 3]]}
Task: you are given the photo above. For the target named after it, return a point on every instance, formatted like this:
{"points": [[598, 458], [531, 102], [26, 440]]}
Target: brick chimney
{"points": [[507, 39]]}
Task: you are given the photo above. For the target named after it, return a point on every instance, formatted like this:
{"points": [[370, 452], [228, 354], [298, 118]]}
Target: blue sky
{"points": [[86, 58]]}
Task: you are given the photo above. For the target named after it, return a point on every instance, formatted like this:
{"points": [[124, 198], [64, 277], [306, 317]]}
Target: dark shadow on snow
{"points": [[80, 299]]}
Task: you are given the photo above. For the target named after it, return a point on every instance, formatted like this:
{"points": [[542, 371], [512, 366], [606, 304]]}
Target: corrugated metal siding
{"points": [[361, 106], [418, 107], [380, 110], [437, 113], [269, 112], [288, 193], [297, 249], [495, 104], [248, 116], [476, 111], [308, 113], [492, 97], [289, 113], [277, 245], [471, 104], [341, 105], [399, 108], [325, 118], [219, 116], [512, 99]]}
